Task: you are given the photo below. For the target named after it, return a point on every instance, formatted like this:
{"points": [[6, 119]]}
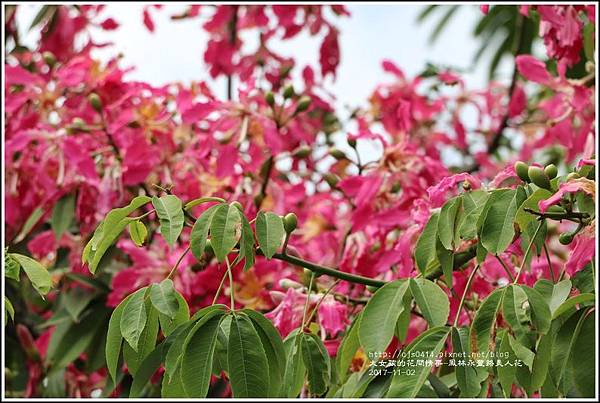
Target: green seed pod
{"points": [[288, 91], [337, 154], [302, 152], [573, 175], [352, 142], [208, 249], [565, 238], [49, 59], [95, 101], [551, 171], [78, 123], [270, 98], [521, 169], [290, 222], [238, 205], [331, 179], [539, 177], [306, 275], [303, 103]]}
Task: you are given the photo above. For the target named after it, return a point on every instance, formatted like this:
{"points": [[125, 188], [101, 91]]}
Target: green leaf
{"points": [[223, 227], [170, 213], [12, 268], [293, 378], [138, 232], [429, 343], [573, 302], [133, 318], [589, 42], [167, 324], [144, 373], [446, 260], [270, 232], [524, 218], [425, 250], [553, 294], [566, 337], [522, 352], [431, 300], [108, 231], [164, 298], [540, 312], [246, 360], [378, 321], [114, 338], [348, 347], [197, 357], [10, 310], [196, 202], [76, 300], [448, 223], [37, 274], [506, 374], [466, 377], [146, 343], [200, 231], [497, 231], [541, 361], [62, 215], [316, 361], [513, 309], [473, 204], [31, 221], [273, 345], [247, 249], [485, 318], [583, 357]]}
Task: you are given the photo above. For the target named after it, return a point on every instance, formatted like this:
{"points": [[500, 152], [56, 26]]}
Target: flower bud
{"points": [[331, 179], [551, 171], [286, 283], [302, 152], [352, 142], [49, 59], [288, 91], [521, 170], [95, 101], [290, 222], [337, 154], [270, 98], [565, 238], [539, 177], [303, 103]]}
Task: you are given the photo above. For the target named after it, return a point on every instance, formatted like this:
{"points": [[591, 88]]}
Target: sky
{"points": [[373, 32]]}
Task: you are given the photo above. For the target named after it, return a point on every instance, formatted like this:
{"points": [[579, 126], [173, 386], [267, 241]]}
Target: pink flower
{"points": [[287, 316], [333, 316], [574, 185], [533, 69], [329, 53], [582, 251], [437, 193], [485, 8]]}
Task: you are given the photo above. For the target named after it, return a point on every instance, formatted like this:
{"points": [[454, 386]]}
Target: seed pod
{"points": [[49, 59], [565, 238], [270, 98], [539, 177], [303, 103], [331, 179], [95, 101], [521, 169], [306, 275], [551, 171], [288, 91], [290, 222], [302, 152], [573, 175], [337, 154]]}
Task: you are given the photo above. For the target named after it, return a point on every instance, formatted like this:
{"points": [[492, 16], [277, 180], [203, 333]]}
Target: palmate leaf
{"points": [[169, 211], [246, 360], [108, 231]]}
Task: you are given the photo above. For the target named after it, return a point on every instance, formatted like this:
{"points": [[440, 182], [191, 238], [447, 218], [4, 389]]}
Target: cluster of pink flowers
{"points": [[57, 144]]}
